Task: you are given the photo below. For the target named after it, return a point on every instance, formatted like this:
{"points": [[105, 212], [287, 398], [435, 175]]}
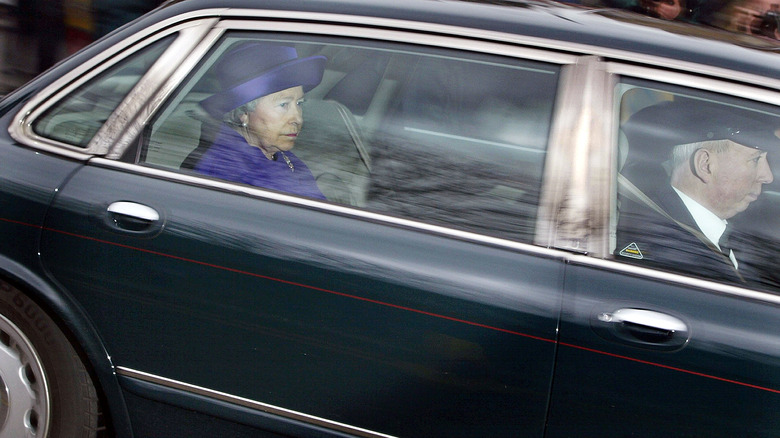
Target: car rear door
{"points": [[423, 308]]}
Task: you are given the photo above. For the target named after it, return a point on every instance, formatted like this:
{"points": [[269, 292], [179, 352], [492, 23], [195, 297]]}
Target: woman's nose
{"points": [[297, 115]]}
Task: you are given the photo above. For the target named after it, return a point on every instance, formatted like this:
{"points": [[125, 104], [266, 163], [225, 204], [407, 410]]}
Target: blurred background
{"points": [[36, 34]]}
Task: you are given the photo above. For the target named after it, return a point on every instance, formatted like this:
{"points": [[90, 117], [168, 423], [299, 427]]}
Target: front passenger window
{"points": [[697, 192]]}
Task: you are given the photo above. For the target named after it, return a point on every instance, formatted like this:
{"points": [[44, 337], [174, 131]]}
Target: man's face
{"points": [[275, 123], [737, 177]]}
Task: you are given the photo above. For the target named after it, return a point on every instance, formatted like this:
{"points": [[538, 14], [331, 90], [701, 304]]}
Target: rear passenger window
{"points": [[77, 118], [449, 138], [697, 184]]}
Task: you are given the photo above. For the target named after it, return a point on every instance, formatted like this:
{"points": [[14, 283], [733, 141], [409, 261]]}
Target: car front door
{"points": [[661, 337]]}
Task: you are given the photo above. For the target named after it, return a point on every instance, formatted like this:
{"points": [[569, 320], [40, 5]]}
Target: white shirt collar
{"points": [[710, 224]]}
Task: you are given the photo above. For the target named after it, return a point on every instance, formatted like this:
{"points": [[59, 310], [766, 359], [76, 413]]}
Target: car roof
{"points": [[578, 29]]}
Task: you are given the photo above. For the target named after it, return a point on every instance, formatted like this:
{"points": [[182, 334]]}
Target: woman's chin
{"points": [[285, 146]]}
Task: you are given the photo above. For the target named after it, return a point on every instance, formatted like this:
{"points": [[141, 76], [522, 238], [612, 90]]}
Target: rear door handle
{"points": [[131, 216], [642, 327]]}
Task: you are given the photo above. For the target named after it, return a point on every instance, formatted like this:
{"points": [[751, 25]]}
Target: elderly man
{"points": [[717, 166]]}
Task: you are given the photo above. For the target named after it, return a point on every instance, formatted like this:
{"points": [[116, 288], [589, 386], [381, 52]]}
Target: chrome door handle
{"points": [[131, 216], [134, 210], [644, 327], [645, 318]]}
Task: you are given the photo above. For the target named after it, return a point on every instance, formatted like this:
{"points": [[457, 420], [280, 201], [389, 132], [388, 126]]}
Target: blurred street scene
{"points": [[755, 17], [36, 34]]}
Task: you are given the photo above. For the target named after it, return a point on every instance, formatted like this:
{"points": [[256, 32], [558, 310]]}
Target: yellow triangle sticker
{"points": [[632, 251]]}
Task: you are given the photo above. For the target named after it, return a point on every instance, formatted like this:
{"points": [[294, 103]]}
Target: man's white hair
{"points": [[681, 154]]}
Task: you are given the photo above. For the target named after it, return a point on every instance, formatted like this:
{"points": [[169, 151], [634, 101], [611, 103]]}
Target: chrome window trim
{"points": [[654, 74], [403, 35], [704, 285], [342, 210], [249, 403], [190, 33]]}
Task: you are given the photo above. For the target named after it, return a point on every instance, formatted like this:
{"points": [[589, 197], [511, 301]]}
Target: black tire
{"points": [[65, 404]]}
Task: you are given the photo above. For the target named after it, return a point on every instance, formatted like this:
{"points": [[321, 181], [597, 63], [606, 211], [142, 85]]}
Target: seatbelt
{"points": [[349, 122]]}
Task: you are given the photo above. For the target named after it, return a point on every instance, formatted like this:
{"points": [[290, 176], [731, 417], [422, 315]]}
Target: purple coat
{"points": [[231, 158]]}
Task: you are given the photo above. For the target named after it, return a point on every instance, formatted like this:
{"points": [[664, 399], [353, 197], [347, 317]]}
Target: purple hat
{"points": [[252, 70]]}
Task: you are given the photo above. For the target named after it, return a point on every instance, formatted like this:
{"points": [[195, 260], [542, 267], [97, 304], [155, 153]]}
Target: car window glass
{"points": [[77, 118], [697, 191], [449, 138]]}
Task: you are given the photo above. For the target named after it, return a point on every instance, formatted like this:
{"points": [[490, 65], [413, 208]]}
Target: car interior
{"points": [[78, 118], [427, 136], [650, 120]]}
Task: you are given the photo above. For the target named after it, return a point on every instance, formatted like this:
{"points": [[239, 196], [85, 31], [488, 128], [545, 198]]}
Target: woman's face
{"points": [[276, 121]]}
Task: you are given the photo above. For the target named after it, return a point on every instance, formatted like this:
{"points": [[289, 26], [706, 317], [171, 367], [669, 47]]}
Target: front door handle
{"points": [[131, 216], [647, 328]]}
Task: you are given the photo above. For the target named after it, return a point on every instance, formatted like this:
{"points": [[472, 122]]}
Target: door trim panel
{"points": [[132, 377]]}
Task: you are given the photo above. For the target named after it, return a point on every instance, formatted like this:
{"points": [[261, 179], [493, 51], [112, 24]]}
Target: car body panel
{"points": [[29, 182], [724, 368], [273, 301]]}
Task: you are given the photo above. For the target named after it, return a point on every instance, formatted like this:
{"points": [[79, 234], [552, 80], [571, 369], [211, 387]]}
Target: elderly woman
{"points": [[260, 109]]}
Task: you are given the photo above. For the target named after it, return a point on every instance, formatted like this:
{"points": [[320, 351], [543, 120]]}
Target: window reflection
{"points": [[692, 173], [77, 119]]}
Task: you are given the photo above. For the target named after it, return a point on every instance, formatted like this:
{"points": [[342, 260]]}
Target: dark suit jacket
{"points": [[646, 237], [756, 237]]}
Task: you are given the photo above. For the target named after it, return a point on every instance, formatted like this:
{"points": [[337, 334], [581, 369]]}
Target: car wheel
{"points": [[45, 390]]}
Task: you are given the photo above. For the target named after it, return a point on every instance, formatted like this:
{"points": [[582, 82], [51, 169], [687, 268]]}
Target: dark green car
{"points": [[496, 221]]}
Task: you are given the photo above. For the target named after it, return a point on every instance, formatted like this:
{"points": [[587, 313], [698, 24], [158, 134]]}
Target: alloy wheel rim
{"points": [[24, 394]]}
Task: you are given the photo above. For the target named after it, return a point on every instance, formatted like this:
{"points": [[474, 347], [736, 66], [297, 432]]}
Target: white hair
{"points": [[234, 117], [681, 154]]}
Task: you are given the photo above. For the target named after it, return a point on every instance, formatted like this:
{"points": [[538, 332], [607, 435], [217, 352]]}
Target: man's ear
{"points": [[701, 165]]}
